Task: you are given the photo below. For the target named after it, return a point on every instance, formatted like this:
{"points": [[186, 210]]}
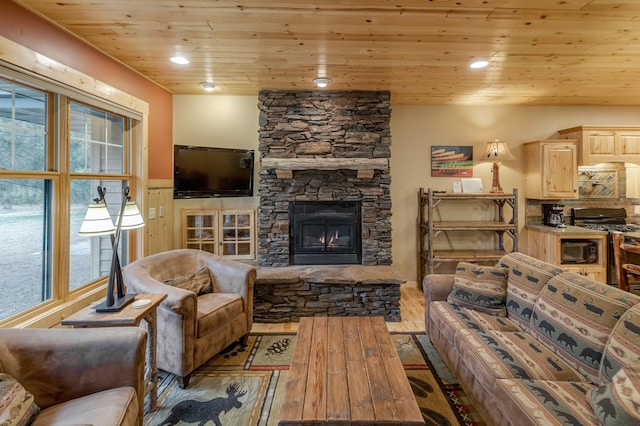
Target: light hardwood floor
{"points": [[411, 310]]}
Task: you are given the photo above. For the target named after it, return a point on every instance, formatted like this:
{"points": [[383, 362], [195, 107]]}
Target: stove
{"points": [[604, 219]]}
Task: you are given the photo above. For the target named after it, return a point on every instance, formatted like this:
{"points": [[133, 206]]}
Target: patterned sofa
{"points": [[558, 348]]}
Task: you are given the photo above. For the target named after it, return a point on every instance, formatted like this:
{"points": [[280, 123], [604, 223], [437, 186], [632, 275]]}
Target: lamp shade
{"points": [[497, 151], [131, 217], [97, 221]]}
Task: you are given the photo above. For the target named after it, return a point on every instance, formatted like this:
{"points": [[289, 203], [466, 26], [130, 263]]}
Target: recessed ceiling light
{"points": [[180, 60], [208, 86], [321, 81], [479, 64]]}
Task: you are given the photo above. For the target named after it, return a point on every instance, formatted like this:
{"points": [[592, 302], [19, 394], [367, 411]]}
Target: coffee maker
{"points": [[553, 215]]}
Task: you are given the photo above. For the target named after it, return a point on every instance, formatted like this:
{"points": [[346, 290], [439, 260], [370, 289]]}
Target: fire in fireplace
{"points": [[325, 232]]}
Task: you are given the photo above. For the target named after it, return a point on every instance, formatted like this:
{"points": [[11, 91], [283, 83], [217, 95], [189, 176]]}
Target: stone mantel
{"points": [[364, 166]]}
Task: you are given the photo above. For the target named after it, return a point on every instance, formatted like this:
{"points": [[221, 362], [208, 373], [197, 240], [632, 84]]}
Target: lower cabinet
{"points": [[567, 250], [228, 233]]}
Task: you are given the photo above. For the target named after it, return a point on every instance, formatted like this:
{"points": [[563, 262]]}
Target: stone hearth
{"points": [[283, 294]]}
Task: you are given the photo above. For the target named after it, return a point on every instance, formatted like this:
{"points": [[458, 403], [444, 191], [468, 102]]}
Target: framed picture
{"points": [[451, 161]]}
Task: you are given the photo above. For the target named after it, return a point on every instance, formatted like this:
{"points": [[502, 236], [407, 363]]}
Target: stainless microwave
{"points": [[579, 252]]}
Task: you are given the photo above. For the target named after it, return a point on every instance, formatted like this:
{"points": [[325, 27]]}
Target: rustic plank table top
{"points": [[346, 370]]}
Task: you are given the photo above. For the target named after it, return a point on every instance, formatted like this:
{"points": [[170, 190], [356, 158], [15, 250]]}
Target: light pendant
{"points": [[321, 81], [208, 86]]}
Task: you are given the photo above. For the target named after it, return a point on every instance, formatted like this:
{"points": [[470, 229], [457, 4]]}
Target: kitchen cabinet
{"points": [[228, 233], [605, 144], [545, 243], [498, 225], [551, 169]]}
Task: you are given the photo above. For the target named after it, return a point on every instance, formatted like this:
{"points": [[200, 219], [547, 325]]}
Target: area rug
{"points": [[244, 385]]}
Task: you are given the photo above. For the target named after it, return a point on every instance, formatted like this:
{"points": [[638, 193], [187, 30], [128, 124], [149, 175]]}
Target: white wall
{"points": [[232, 122]]}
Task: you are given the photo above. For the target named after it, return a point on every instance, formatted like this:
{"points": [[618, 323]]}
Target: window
{"points": [[47, 180]]}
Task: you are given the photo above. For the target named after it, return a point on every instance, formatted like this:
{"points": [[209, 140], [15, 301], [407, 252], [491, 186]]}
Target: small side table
{"points": [[129, 316]]}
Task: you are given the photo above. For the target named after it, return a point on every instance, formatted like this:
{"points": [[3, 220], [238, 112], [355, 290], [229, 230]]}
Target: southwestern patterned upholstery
{"points": [[564, 339], [193, 328], [79, 376], [526, 278], [574, 316], [483, 288]]}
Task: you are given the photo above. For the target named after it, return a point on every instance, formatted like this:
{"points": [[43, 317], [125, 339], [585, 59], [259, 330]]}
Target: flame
{"points": [[332, 240]]}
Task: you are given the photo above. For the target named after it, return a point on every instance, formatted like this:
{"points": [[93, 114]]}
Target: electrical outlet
{"points": [[161, 212], [152, 213]]}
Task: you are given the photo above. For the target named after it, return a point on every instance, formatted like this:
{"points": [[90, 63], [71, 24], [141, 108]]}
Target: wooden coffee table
{"points": [[346, 370]]}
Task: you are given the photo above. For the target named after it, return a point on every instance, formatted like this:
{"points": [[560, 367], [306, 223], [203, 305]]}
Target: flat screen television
{"points": [[204, 172]]}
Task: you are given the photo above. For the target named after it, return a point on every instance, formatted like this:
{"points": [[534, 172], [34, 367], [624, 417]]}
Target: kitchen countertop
{"points": [[570, 229]]}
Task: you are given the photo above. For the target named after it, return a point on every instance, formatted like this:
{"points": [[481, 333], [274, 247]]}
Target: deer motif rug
{"points": [[244, 385]]}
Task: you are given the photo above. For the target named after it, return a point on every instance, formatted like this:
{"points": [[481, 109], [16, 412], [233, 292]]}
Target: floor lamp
{"points": [[497, 152], [97, 221]]}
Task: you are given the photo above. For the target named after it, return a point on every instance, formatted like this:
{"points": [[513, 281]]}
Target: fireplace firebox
{"points": [[325, 232]]}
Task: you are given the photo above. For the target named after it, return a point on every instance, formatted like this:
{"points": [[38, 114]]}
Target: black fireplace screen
{"points": [[325, 232]]}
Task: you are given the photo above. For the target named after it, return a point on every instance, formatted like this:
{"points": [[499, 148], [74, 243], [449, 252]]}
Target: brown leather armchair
{"points": [[79, 376], [192, 329]]}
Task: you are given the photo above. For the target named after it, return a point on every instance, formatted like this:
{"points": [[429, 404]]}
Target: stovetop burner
{"points": [[611, 227]]}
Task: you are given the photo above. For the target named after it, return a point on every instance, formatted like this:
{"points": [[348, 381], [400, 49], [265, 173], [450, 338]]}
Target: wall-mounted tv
{"points": [[203, 172]]}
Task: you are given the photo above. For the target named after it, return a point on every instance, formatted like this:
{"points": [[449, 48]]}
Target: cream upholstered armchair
{"points": [[197, 319]]}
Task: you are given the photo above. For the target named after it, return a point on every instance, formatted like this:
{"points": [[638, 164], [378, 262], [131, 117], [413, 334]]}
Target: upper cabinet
{"points": [[605, 144], [551, 169]]}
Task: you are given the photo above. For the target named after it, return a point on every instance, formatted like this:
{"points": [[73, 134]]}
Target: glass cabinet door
{"points": [[229, 233], [236, 234], [199, 230]]}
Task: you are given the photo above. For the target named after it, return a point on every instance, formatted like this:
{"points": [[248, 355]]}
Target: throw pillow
{"points": [[17, 405], [198, 282], [483, 288], [617, 402]]}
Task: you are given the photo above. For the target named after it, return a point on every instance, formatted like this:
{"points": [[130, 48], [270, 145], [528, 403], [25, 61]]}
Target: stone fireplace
{"points": [[320, 146], [324, 216]]}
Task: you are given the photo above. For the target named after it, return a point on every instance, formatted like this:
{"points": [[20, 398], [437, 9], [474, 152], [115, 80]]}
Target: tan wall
{"points": [[217, 121], [415, 128], [230, 121]]}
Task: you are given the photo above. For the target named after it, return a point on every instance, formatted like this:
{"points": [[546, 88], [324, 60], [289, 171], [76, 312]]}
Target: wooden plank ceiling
{"points": [[541, 52]]}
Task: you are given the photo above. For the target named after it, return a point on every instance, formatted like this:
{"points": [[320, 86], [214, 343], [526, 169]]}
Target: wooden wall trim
{"points": [[39, 64]]}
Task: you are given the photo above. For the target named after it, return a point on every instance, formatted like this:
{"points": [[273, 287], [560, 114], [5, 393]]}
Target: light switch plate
{"points": [[161, 211], [152, 213]]}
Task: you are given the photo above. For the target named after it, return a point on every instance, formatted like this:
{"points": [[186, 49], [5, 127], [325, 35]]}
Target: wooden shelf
{"points": [[430, 228]]}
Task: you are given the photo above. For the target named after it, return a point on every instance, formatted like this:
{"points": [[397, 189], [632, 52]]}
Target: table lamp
{"points": [[97, 221], [497, 152]]}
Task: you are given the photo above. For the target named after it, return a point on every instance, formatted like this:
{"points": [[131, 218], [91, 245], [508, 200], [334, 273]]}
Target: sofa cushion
{"points": [[482, 288], [618, 402], [496, 355], [216, 309], [199, 282], [623, 346], [118, 406], [448, 318], [525, 280], [575, 315], [17, 405], [542, 402]]}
